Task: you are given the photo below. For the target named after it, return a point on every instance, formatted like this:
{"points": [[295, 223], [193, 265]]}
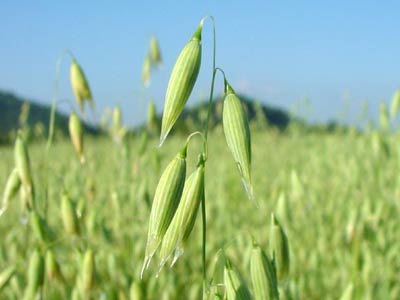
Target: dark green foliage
{"points": [[10, 109]]}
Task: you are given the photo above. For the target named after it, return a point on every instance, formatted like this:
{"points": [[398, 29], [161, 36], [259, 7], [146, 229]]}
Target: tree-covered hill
{"points": [[16, 113]]}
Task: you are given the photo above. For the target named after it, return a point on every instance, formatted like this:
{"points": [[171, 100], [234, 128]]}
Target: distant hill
{"points": [[260, 115], [36, 117]]}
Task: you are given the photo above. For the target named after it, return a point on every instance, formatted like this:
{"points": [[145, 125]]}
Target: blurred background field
{"points": [[335, 192]]}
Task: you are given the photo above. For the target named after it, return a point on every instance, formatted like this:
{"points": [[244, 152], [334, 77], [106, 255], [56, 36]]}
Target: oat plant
{"points": [[82, 93], [80, 88], [177, 200]]}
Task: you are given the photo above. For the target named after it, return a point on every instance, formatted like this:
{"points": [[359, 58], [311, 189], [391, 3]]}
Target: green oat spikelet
{"points": [[237, 134], [22, 161], [184, 219], [35, 275], [117, 131], [235, 287], [181, 82], [155, 51], [80, 86], [23, 166], [116, 119], [265, 285], [69, 217], [11, 189], [76, 134], [53, 270], [38, 226], [88, 272], [146, 70], [279, 249], [165, 203]]}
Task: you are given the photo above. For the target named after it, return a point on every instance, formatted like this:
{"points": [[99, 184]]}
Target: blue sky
{"points": [[334, 53]]}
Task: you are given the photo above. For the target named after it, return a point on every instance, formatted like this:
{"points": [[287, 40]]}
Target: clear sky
{"points": [[335, 53]]}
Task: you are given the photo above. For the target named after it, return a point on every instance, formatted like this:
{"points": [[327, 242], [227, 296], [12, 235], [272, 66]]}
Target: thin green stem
{"points": [[205, 149], [53, 105], [55, 95], [193, 134], [51, 125], [214, 71], [222, 72], [205, 145]]}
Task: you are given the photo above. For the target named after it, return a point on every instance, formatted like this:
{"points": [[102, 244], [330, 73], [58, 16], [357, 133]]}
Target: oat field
{"points": [[335, 194]]}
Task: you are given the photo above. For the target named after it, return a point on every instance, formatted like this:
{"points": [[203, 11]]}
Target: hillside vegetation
{"points": [[17, 112]]}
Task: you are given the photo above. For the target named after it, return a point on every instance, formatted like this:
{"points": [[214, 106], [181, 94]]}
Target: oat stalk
{"points": [[205, 136]]}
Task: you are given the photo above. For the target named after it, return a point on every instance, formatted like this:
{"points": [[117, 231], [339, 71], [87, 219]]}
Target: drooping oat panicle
{"points": [[166, 200], [53, 269], [88, 271], [35, 274], [184, 219], [80, 86], [279, 248], [146, 70], [265, 285], [5, 276], [155, 51], [237, 134], [76, 134], [235, 287], [69, 217], [181, 82], [394, 108], [23, 166], [11, 189]]}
